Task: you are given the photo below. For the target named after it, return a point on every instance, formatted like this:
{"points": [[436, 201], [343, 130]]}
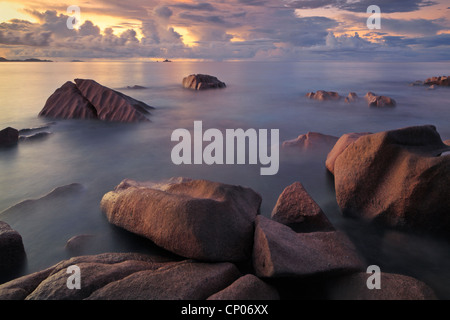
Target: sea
{"points": [[259, 95]]}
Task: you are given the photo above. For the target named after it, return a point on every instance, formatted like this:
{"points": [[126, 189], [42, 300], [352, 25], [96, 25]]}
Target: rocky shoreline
{"points": [[219, 246]]}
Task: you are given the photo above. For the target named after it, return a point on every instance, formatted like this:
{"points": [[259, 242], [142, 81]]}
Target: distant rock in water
{"points": [[352, 97], [379, 101], [439, 81], [136, 87], [322, 95], [87, 99], [8, 137], [202, 82]]}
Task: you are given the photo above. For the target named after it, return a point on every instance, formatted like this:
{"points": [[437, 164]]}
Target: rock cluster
{"points": [[372, 99], [188, 217]]}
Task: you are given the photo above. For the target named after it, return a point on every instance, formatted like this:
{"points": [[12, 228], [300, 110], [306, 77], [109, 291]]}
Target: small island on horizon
{"points": [[2, 59]]}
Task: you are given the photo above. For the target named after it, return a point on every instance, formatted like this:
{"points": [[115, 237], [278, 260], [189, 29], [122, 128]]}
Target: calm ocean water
{"points": [[258, 95]]}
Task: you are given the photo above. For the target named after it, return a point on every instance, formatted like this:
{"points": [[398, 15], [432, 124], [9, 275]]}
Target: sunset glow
{"points": [[236, 30]]}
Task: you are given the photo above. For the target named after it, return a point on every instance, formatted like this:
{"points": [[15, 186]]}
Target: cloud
{"points": [[163, 12], [200, 6], [387, 6], [235, 29]]}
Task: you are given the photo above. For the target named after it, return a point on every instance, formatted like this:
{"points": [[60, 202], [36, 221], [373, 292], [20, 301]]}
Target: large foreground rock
{"points": [[192, 218], [202, 82], [297, 209], [123, 276], [87, 99], [393, 287], [279, 251], [12, 252], [8, 137], [397, 178]]}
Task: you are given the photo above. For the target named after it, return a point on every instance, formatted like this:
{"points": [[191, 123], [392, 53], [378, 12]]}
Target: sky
{"points": [[218, 30]]}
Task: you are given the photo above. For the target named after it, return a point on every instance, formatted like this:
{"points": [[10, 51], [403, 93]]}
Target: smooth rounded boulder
{"points": [[196, 219], [397, 178]]}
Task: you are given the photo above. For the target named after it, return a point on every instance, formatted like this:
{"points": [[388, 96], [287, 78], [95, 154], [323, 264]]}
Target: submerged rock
{"points": [[352, 97], [439, 81], [87, 99], [311, 141], [202, 82], [196, 219], [397, 178], [35, 136], [9, 137], [379, 101], [323, 95]]}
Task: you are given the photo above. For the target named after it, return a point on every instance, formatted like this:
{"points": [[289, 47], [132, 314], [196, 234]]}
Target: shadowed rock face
{"points": [[8, 137], [196, 219], [202, 82], [397, 178], [87, 99]]}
